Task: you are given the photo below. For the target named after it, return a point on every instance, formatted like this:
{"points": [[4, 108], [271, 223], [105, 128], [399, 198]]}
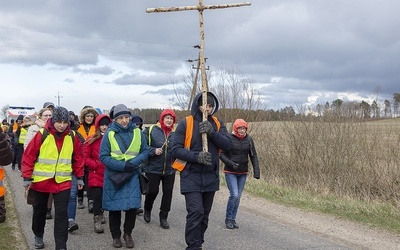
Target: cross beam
{"points": [[200, 8]]}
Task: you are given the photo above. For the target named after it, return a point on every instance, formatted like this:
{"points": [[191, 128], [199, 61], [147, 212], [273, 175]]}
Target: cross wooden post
{"points": [[200, 7]]}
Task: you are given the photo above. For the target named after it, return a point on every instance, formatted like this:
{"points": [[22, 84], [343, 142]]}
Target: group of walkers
{"points": [[105, 154]]}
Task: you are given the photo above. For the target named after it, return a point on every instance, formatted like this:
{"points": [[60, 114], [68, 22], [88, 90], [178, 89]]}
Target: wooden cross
{"points": [[200, 7]]}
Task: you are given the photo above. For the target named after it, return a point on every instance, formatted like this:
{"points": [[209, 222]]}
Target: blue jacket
{"points": [[128, 196], [197, 177], [159, 164]]}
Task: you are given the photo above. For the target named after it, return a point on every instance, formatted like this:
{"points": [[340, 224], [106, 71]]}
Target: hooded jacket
{"points": [[129, 195], [31, 154], [87, 129], [197, 177], [91, 154], [160, 164]]}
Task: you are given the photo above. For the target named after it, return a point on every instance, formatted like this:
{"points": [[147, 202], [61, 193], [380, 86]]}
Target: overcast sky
{"points": [[101, 52]]}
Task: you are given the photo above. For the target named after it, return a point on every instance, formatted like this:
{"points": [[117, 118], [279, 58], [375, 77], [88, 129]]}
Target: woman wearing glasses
{"points": [[236, 168]]}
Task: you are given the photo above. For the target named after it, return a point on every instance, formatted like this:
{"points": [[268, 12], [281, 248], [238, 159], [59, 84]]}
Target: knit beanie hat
{"points": [[120, 110], [60, 114], [104, 121]]}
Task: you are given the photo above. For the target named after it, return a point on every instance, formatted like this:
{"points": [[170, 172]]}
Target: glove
{"points": [[206, 127], [27, 183], [235, 165], [204, 158], [129, 167], [80, 182]]}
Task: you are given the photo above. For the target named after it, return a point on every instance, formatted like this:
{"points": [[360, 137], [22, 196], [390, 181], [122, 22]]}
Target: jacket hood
{"points": [[167, 112], [86, 111], [98, 118], [195, 111]]}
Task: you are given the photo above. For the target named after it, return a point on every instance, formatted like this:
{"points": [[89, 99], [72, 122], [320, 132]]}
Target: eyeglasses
{"points": [[47, 115]]}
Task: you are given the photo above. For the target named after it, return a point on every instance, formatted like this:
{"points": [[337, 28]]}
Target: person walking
{"points": [[158, 168], [199, 177], [47, 165], [236, 168], [43, 115], [12, 133], [122, 150], [6, 157], [86, 128], [21, 132], [91, 150]]}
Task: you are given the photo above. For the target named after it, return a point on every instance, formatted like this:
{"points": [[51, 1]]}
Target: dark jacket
{"points": [[197, 177], [159, 164], [6, 153], [239, 153]]}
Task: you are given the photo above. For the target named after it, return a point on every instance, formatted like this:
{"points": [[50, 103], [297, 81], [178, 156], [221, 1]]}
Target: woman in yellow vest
{"points": [[51, 157], [6, 157], [123, 148]]}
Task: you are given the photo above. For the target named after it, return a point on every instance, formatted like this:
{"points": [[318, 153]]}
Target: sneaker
{"points": [[229, 224], [128, 241], [235, 225], [147, 216], [72, 226], [48, 215], [117, 243], [102, 219], [139, 211], [39, 244]]}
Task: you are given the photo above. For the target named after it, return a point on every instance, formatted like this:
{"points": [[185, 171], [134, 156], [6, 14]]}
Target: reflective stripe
{"points": [[41, 173], [131, 152], [63, 173], [46, 161]]}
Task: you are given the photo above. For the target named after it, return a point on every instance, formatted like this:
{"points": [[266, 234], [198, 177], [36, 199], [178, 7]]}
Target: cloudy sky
{"points": [[101, 52]]}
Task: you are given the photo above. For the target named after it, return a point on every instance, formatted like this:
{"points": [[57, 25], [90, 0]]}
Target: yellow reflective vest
{"points": [[52, 163], [22, 135], [131, 152]]}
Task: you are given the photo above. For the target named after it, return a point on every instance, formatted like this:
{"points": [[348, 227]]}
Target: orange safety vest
{"points": [[2, 188], [82, 131], [178, 163]]}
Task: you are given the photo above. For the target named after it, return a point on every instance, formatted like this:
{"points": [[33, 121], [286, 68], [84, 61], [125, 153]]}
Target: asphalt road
{"points": [[255, 232]]}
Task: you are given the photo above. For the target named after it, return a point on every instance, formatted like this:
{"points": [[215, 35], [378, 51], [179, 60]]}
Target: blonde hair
{"points": [[43, 110]]}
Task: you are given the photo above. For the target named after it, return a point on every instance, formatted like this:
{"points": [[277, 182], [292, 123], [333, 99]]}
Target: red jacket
{"points": [[32, 151], [96, 168], [91, 154]]}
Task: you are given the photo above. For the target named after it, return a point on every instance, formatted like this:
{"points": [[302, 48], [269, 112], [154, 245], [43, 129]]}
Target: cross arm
{"points": [[198, 7]]}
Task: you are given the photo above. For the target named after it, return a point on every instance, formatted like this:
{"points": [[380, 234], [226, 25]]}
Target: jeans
{"points": [[235, 183], [72, 199]]}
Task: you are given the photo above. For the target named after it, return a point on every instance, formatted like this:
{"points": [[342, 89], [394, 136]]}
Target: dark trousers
{"points": [[114, 218], [60, 218], [198, 206], [167, 188], [97, 195], [19, 148]]}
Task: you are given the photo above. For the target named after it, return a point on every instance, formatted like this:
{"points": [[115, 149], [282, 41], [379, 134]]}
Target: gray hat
{"points": [[60, 114], [120, 110], [48, 104]]}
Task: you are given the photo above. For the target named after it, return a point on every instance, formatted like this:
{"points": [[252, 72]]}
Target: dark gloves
{"points": [[235, 165], [204, 158], [129, 167], [206, 127]]}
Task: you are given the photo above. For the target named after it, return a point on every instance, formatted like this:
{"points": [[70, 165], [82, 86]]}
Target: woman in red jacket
{"points": [[49, 161], [91, 150]]}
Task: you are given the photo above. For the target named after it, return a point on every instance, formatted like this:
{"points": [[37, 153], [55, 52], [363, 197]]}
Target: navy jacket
{"points": [[197, 177]]}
